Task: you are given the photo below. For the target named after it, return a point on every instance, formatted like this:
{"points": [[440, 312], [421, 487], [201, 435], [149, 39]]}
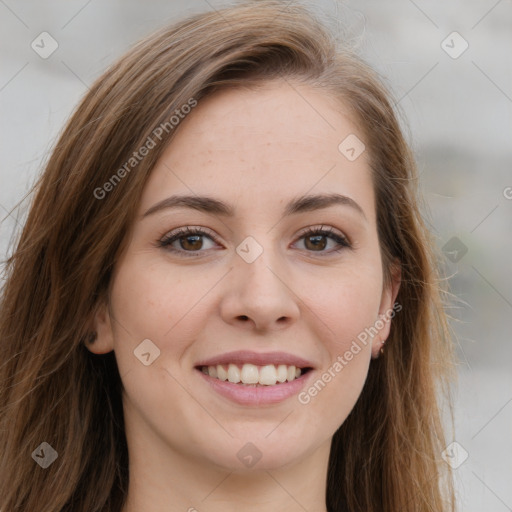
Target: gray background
{"points": [[460, 116]]}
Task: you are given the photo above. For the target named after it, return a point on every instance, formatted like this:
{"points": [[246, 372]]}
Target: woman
{"points": [[224, 295]]}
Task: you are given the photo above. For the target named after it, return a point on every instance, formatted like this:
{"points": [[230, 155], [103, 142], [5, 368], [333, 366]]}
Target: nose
{"points": [[257, 296]]}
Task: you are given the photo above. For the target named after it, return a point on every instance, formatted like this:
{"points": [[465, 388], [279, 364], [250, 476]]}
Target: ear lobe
{"points": [[386, 309], [101, 339]]}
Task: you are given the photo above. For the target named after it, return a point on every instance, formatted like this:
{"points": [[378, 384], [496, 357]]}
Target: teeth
{"points": [[250, 374], [233, 374], [267, 375], [222, 374], [282, 373]]}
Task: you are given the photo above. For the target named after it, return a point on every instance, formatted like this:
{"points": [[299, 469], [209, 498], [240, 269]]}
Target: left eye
{"points": [[319, 238], [190, 240]]}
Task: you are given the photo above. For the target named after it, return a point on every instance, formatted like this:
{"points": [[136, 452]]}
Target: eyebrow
{"points": [[306, 203]]}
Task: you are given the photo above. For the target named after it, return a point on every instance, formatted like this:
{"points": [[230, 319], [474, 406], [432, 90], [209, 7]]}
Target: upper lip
{"points": [[257, 358]]}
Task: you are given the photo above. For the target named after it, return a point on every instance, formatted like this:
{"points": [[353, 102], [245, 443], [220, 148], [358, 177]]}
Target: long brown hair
{"points": [[387, 455]]}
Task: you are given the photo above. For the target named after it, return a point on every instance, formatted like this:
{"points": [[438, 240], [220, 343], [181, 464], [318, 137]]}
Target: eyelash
{"points": [[168, 239]]}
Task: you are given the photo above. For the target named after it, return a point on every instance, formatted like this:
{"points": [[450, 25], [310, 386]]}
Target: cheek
{"points": [[151, 301], [155, 296], [345, 314], [346, 304]]}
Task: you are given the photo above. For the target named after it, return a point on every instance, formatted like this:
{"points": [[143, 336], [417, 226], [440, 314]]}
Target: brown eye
{"points": [[316, 242], [191, 242], [188, 241]]}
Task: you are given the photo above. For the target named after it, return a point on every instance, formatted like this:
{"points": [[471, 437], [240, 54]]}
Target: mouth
{"points": [[255, 378], [253, 375]]}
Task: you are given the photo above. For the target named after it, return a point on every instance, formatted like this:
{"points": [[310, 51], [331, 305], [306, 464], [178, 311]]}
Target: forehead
{"points": [[263, 144], [277, 115]]}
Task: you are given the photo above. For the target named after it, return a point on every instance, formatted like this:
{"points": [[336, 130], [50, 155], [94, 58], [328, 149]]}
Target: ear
{"points": [[386, 310], [101, 327]]}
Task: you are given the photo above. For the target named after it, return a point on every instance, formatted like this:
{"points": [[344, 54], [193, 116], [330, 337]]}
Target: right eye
{"points": [[189, 240]]}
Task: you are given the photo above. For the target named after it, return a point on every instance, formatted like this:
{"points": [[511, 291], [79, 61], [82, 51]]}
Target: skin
{"points": [[255, 149]]}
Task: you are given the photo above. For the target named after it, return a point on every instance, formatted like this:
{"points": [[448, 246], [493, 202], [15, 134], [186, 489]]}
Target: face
{"points": [[258, 276]]}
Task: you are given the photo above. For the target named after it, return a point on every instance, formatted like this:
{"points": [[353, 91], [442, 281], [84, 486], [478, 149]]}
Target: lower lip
{"points": [[257, 395]]}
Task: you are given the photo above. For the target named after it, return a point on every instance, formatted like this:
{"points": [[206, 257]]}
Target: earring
{"points": [[382, 348], [91, 338]]}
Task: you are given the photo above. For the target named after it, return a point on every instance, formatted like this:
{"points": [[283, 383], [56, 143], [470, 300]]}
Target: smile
{"points": [[255, 378], [253, 375]]}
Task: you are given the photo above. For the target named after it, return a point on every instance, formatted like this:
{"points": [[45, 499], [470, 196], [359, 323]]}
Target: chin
{"points": [[253, 453]]}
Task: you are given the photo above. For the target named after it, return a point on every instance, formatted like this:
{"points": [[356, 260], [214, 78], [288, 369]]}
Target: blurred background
{"points": [[449, 66]]}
